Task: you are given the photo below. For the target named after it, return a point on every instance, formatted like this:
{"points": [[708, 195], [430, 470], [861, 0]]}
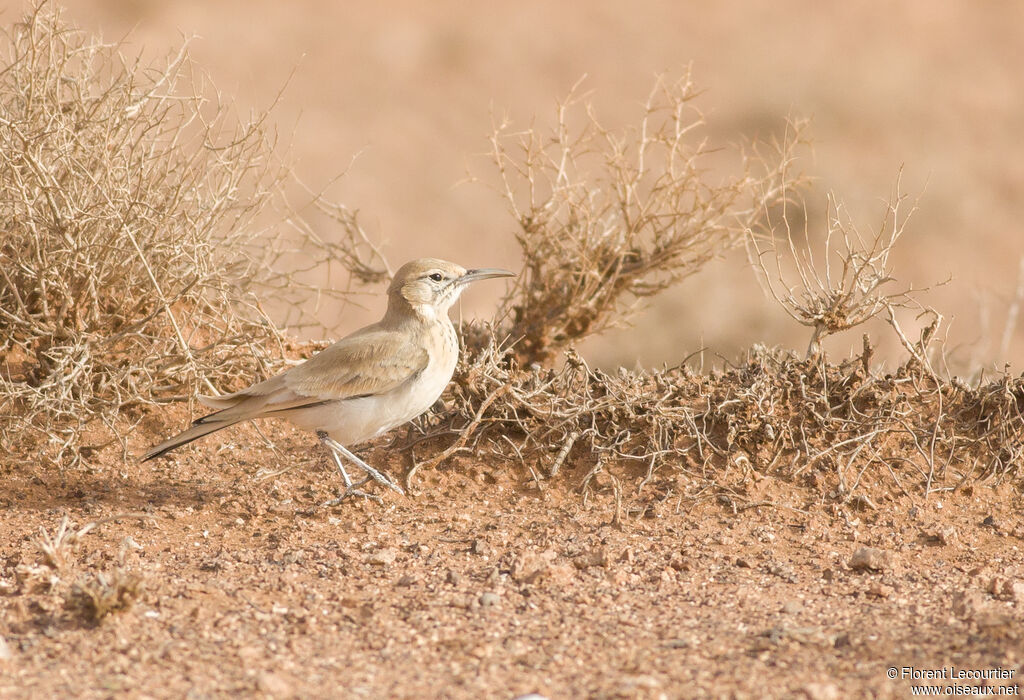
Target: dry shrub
{"points": [[847, 284], [70, 580], [607, 218], [99, 594], [839, 428], [138, 215], [845, 429]]}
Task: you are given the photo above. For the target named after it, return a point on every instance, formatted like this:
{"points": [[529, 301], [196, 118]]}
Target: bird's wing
{"points": [[363, 364], [368, 362]]}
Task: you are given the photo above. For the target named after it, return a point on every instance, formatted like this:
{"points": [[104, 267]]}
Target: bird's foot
{"points": [[351, 491]]}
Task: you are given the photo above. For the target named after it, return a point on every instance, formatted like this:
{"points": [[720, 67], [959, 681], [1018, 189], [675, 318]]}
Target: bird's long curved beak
{"points": [[484, 273]]}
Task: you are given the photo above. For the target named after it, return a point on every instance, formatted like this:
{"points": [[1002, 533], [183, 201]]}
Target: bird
{"points": [[369, 382]]}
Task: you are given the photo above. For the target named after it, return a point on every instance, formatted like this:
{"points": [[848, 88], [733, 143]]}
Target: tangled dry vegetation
{"points": [[137, 242], [82, 589], [840, 428], [608, 218], [141, 223], [837, 427], [847, 284]]}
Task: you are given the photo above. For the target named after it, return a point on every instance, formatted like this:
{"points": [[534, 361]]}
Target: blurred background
{"points": [[402, 96]]}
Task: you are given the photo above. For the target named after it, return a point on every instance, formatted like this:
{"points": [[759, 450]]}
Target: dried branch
{"points": [[141, 222], [608, 218], [846, 285]]}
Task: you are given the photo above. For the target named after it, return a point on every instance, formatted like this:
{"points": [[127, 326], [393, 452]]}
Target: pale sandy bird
{"points": [[365, 384]]}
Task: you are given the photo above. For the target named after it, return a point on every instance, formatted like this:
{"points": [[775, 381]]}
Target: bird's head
{"points": [[430, 286]]}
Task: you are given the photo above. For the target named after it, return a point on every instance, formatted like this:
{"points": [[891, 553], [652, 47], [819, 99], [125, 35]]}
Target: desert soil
{"points": [[486, 584]]}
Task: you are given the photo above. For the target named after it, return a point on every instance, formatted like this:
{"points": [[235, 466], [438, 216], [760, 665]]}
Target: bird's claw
{"points": [[350, 492]]}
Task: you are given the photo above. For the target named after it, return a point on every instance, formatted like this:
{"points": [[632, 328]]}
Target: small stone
{"points": [[480, 548], [5, 650], [453, 577], [871, 559], [1008, 589], [382, 557], [792, 607], [595, 556], [880, 590], [273, 685], [742, 563], [489, 599], [463, 601], [828, 575], [530, 566], [967, 604], [820, 691], [406, 581], [948, 536]]}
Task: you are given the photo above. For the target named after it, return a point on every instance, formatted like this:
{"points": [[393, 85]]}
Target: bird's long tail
{"points": [[203, 426]]}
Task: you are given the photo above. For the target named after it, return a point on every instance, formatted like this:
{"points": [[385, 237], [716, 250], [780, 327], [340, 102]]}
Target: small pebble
{"points": [[595, 556], [273, 685], [489, 599], [880, 590], [382, 557], [465, 602], [870, 558], [821, 691]]}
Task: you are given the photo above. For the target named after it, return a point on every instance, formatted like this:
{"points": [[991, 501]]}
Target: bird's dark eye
{"points": [[437, 276]]}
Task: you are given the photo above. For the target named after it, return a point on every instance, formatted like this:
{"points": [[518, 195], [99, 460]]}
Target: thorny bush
{"points": [[608, 218], [140, 219], [840, 428], [627, 233]]}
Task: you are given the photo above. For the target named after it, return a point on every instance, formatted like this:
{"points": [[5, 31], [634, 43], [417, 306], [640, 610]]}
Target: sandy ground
{"points": [[482, 585], [224, 576]]}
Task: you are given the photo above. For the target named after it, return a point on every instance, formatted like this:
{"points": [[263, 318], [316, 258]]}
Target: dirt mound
{"points": [[489, 583]]}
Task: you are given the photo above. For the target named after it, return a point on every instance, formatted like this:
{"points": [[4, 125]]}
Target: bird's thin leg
{"points": [[344, 474], [376, 475], [351, 488]]}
